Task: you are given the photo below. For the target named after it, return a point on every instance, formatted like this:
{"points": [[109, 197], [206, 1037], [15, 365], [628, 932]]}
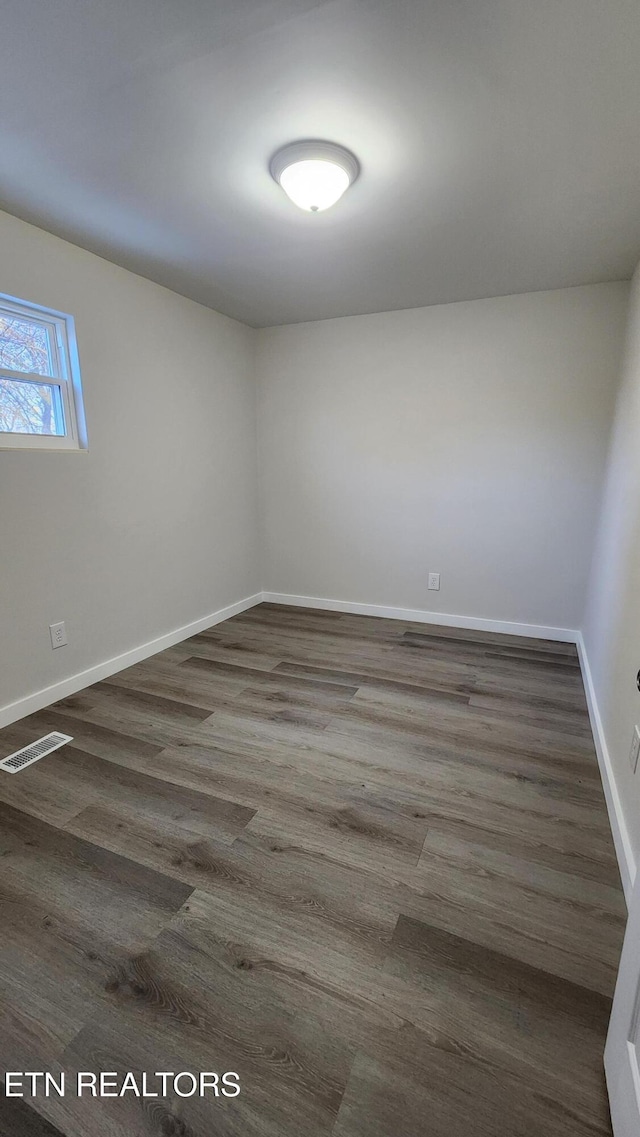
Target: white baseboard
{"points": [[621, 838], [43, 698], [419, 615]]}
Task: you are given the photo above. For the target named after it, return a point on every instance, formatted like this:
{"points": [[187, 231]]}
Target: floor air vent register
{"points": [[14, 763]]}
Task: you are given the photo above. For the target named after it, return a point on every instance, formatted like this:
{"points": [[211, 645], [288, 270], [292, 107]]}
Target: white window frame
{"points": [[66, 364]]}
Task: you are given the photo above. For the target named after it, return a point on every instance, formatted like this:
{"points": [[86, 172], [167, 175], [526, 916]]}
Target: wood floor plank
{"points": [[40, 793], [511, 1019], [215, 644], [153, 720], [342, 894], [421, 1088], [71, 912], [165, 678], [98, 885], [552, 662], [198, 996], [109, 742], [356, 679], [366, 863], [464, 636], [290, 798], [18, 1117], [464, 724], [251, 677], [135, 799], [382, 659]]}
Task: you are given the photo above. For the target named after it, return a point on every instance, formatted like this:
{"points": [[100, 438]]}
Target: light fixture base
{"points": [[311, 150]]}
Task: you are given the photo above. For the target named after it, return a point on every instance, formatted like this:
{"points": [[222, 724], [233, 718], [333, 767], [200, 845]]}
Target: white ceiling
{"points": [[499, 143]]}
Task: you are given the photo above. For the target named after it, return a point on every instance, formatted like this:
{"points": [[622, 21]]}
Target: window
{"points": [[40, 394]]}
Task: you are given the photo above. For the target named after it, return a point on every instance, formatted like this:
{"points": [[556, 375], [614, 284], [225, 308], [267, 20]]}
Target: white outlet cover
{"points": [[58, 634], [434, 581]]}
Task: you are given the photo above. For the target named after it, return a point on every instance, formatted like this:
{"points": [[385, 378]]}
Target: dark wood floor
{"points": [[366, 864]]}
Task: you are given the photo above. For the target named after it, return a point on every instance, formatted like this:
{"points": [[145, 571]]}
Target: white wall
{"points": [[612, 623], [156, 525], [467, 439]]}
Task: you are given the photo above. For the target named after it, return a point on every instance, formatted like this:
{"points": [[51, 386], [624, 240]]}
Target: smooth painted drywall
{"points": [[466, 439], [156, 525], [612, 622]]}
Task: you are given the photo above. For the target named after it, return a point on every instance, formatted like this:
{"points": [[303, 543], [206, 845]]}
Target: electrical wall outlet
{"points": [[635, 749], [58, 634], [434, 580]]}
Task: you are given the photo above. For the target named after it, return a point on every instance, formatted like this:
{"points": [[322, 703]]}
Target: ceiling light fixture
{"points": [[314, 174]]}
